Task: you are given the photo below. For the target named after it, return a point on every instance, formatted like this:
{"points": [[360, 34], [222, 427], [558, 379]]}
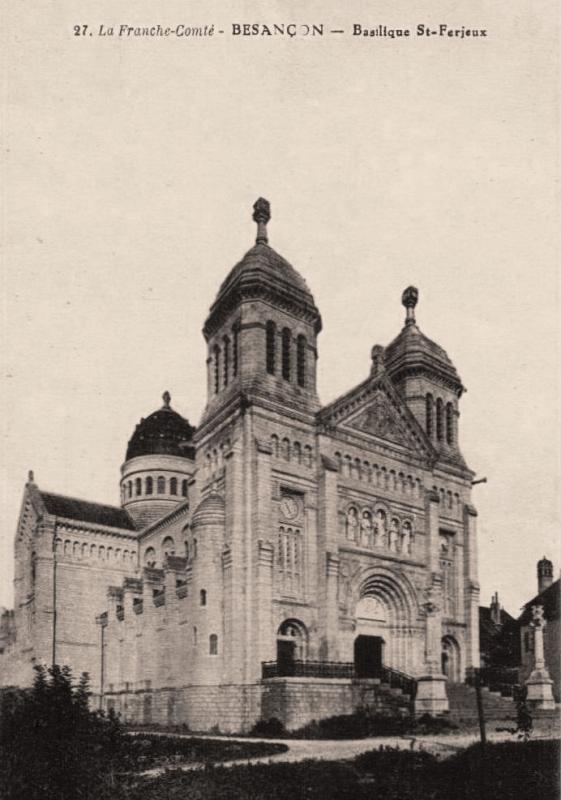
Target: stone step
{"points": [[463, 703]]}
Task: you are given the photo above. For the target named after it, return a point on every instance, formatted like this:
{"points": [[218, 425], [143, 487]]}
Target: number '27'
{"points": [[80, 30]]}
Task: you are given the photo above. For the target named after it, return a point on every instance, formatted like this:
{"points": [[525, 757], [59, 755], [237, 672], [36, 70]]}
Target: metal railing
{"points": [[399, 680], [336, 669]]}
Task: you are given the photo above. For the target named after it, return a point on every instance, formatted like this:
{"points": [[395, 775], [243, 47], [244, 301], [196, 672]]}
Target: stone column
{"points": [[540, 694], [431, 695]]}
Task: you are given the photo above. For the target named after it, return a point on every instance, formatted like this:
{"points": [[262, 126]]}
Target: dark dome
{"points": [[165, 432]]}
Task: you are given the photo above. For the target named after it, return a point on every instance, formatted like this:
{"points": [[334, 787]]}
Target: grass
{"points": [[517, 770], [144, 750]]}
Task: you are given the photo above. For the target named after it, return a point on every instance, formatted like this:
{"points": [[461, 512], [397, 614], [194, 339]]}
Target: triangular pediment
{"points": [[375, 411], [381, 419]]}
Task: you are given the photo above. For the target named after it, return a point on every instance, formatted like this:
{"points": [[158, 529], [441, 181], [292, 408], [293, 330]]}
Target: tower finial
{"points": [[261, 215], [409, 299], [166, 397], [30, 476]]}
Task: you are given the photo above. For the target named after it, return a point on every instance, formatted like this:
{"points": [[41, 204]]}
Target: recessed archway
{"points": [[292, 645], [386, 609], [450, 661]]}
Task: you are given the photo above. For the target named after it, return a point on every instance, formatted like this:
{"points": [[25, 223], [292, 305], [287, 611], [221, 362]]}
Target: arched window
{"points": [[301, 360], [439, 420], [173, 486], [202, 597], [129, 488], [161, 485], [216, 356], [286, 343], [183, 488], [168, 546], [150, 557], [149, 485], [226, 343], [195, 635], [271, 342], [236, 349], [138, 486], [449, 423], [213, 644], [429, 411]]}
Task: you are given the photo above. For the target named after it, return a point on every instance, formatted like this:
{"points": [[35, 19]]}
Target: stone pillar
{"points": [[432, 531], [233, 566], [471, 589], [332, 608], [265, 635], [263, 639], [540, 694], [327, 560], [431, 695]]}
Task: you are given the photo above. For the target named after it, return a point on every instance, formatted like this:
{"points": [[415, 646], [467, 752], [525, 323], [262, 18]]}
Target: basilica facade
{"points": [[283, 559]]}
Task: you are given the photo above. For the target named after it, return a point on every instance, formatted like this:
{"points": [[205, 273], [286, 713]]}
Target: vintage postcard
{"points": [[280, 456]]}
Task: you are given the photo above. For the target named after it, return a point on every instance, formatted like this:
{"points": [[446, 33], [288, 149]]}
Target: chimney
{"points": [[545, 574], [495, 609]]}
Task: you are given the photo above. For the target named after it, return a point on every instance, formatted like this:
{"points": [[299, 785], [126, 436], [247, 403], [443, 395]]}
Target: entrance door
{"points": [[285, 657], [368, 656]]}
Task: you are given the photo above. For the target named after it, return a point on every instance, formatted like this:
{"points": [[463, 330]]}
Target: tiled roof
{"points": [[83, 511]]}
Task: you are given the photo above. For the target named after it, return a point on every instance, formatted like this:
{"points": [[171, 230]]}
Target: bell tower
{"points": [[261, 332], [427, 379]]}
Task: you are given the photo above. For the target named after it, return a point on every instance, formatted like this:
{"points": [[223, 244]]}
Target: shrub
{"points": [[51, 744], [272, 728]]}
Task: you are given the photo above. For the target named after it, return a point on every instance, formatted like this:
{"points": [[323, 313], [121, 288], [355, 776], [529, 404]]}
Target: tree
{"points": [[52, 747]]}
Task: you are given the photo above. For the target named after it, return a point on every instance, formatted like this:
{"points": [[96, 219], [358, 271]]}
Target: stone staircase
{"points": [[382, 698], [463, 704]]}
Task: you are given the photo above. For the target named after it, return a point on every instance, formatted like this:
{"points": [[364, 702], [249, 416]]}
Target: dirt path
{"points": [[338, 749]]}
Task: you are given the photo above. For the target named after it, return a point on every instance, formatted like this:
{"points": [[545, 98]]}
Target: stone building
{"points": [[285, 559]]}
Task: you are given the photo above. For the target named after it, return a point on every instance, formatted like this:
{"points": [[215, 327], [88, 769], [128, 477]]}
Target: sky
{"points": [[129, 170]]}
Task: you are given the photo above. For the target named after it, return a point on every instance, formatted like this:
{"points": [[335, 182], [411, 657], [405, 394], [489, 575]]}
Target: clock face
{"points": [[289, 507]]}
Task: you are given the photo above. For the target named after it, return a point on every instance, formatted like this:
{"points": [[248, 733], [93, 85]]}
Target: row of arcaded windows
{"points": [[226, 359], [135, 488], [288, 370], [439, 419]]}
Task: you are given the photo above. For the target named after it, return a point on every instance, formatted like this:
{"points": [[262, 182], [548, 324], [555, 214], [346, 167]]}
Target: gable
{"points": [[375, 411]]}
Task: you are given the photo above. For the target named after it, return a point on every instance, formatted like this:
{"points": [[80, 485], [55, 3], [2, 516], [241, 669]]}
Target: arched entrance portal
{"points": [[450, 659], [291, 646], [384, 615]]}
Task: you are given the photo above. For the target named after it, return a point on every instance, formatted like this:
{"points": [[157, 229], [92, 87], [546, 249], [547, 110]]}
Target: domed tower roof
{"points": [[413, 352], [261, 270], [165, 432], [210, 509]]}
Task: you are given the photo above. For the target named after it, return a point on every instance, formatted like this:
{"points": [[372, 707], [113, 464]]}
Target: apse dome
{"points": [[159, 464], [165, 432]]}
